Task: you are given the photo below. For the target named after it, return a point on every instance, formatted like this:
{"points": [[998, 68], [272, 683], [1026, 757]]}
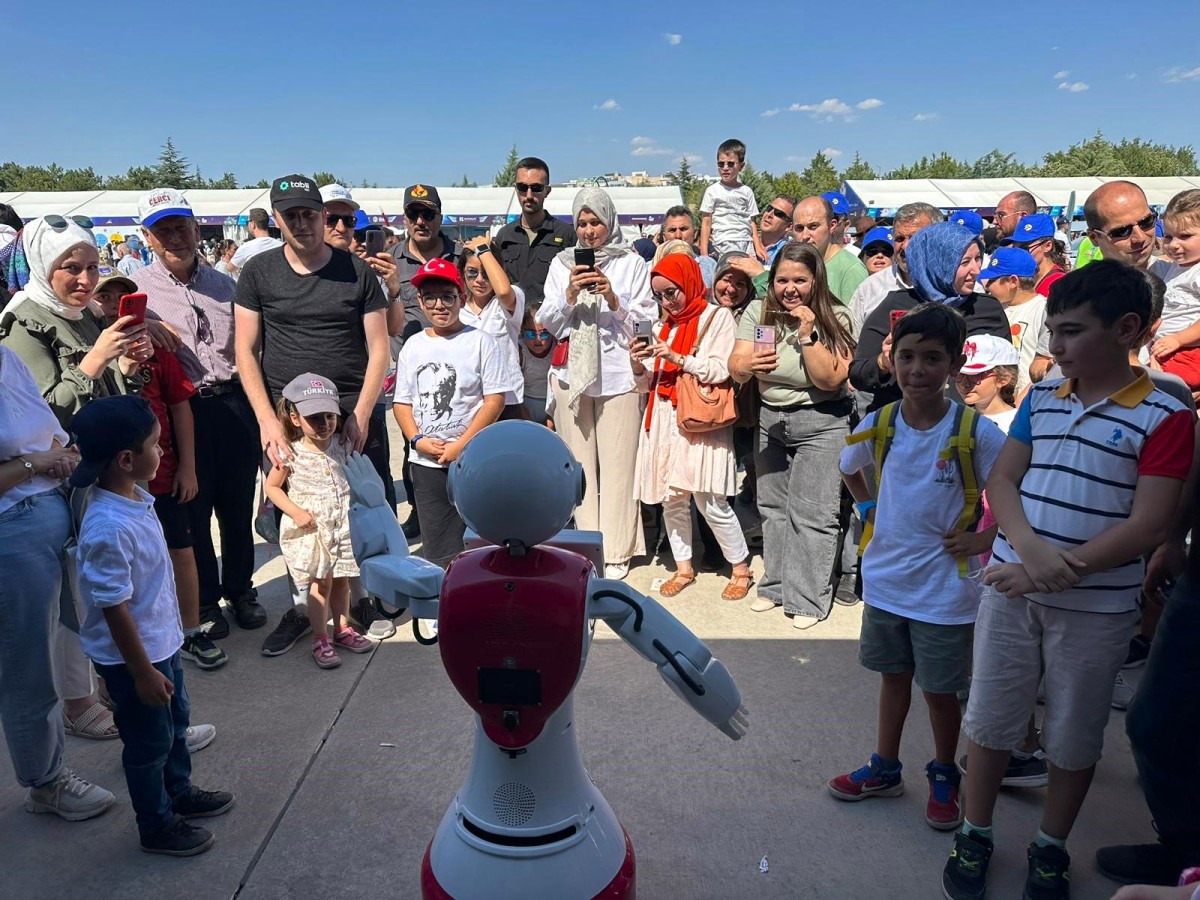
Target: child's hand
{"points": [[1051, 568], [304, 520], [185, 486], [961, 544], [1010, 579], [451, 450], [1165, 346], [154, 688]]}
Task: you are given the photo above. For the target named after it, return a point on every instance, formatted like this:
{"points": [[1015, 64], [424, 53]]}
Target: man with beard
{"points": [[909, 219], [527, 246]]}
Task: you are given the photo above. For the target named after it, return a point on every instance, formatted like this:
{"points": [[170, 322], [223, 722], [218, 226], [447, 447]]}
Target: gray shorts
{"points": [[938, 655]]}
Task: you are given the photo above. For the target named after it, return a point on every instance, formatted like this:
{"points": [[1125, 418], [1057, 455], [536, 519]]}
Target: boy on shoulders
{"points": [[729, 208]]}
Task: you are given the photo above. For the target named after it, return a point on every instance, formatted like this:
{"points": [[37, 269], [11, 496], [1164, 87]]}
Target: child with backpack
{"points": [[931, 458]]}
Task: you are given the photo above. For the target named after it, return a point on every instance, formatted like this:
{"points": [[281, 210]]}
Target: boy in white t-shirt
{"points": [[1176, 346], [729, 208], [1011, 277], [918, 611]]}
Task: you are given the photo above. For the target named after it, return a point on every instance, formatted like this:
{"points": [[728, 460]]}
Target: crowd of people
{"points": [[1022, 542]]}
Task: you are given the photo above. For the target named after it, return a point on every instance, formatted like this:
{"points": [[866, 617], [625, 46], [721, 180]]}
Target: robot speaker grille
{"points": [[513, 803]]}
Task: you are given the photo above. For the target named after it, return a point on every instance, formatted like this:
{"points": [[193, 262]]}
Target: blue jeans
{"points": [[799, 496], [32, 534], [1163, 722], [158, 767]]}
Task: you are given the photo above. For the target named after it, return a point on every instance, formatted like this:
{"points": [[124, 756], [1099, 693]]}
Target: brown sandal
{"points": [[736, 591], [675, 584]]}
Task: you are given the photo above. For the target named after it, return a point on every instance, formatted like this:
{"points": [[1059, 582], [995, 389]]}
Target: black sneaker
{"points": [[214, 619], [1145, 863], [965, 875], [248, 612], [411, 526], [293, 626], [1139, 649], [200, 649], [1049, 874], [1031, 771], [362, 613], [180, 839], [198, 804]]}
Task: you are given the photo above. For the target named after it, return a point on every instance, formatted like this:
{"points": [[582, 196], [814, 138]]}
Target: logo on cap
{"points": [[970, 349], [283, 185], [419, 191], [156, 199], [317, 384], [1029, 226]]}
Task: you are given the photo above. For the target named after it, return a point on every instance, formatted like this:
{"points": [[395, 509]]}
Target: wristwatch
{"points": [[486, 248], [863, 508], [28, 466], [813, 337], [416, 437]]}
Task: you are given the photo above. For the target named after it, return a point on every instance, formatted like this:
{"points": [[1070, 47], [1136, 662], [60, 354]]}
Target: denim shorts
{"points": [[938, 655]]}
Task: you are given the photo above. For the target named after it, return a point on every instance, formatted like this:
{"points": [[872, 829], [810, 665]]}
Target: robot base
{"points": [[622, 887]]}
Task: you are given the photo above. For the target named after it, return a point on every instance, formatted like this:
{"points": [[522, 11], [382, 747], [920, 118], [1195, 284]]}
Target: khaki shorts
{"points": [[1081, 653], [938, 655]]}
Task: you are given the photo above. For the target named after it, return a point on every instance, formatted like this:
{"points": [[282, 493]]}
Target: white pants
{"points": [[74, 677], [677, 514]]}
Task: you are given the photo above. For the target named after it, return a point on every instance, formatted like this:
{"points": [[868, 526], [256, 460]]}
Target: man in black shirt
{"points": [[527, 246]]}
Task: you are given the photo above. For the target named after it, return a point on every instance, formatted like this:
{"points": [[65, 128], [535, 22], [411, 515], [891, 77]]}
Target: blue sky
{"points": [[400, 92]]}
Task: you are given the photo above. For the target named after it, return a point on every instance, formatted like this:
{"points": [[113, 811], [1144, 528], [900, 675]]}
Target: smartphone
{"points": [[642, 332], [374, 240], [764, 338], [896, 315], [585, 256], [133, 305]]}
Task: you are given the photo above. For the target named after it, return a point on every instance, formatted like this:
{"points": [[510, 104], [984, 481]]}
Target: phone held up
{"points": [[764, 338], [642, 332], [896, 315], [133, 305], [374, 240], [585, 256]]}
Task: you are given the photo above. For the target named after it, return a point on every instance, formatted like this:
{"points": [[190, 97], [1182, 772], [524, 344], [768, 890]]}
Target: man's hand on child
{"points": [[154, 688], [355, 431], [1010, 579], [1052, 569]]}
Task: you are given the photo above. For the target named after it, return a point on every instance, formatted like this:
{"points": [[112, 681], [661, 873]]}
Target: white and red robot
{"points": [[515, 620]]}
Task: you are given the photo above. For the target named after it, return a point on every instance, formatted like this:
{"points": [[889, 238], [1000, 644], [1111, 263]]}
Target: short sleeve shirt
{"points": [[732, 209], [789, 384]]}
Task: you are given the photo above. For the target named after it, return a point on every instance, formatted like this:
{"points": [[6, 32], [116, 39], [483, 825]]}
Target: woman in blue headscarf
{"points": [[943, 262]]}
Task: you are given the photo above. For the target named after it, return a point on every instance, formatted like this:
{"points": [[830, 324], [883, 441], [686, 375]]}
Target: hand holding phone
{"points": [[132, 305], [764, 338], [895, 316], [374, 240], [585, 256], [642, 332]]}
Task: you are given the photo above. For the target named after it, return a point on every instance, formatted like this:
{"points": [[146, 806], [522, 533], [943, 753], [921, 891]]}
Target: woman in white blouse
{"points": [[595, 406]]}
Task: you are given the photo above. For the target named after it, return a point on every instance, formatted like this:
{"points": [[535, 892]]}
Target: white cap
{"points": [[335, 193], [160, 203], [986, 351]]}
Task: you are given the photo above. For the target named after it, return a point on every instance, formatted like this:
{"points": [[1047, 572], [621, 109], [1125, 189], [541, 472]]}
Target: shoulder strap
{"points": [[882, 433], [703, 331], [962, 448]]}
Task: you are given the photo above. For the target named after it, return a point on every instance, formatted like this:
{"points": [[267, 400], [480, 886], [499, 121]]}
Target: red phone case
{"points": [[896, 315], [133, 305]]}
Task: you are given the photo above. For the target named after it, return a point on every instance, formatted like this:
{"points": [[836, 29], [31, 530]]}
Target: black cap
{"points": [[291, 191], [424, 194], [105, 427]]}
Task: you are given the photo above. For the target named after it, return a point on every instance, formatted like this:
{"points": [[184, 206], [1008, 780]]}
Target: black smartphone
{"points": [[374, 240], [585, 256]]}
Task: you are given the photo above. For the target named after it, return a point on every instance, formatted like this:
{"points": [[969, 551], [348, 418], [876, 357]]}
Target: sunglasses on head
{"points": [[58, 222], [426, 213], [1145, 225], [529, 188], [332, 219], [532, 335]]}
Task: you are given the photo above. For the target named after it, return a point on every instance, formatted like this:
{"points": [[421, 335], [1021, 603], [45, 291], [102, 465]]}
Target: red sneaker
{"points": [[943, 811], [869, 781]]}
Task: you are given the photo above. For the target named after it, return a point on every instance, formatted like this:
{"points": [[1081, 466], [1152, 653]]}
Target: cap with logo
{"points": [[423, 194], [110, 275], [880, 235], [986, 351], [438, 268], [105, 427], [1009, 261], [312, 394], [160, 203], [968, 219], [335, 193], [292, 191], [1031, 228], [841, 206]]}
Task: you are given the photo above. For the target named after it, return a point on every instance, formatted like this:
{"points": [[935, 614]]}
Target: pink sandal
{"points": [[323, 654], [349, 639]]}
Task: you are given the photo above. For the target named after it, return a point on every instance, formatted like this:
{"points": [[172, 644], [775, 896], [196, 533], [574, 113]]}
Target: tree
{"points": [[820, 175], [1150, 159], [995, 164], [466, 182], [138, 178], [792, 184], [690, 187], [941, 166], [261, 184], [227, 182], [172, 168], [761, 183], [323, 178], [858, 170], [507, 176]]}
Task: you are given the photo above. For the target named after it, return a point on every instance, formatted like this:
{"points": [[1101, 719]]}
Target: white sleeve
{"points": [[554, 314], [639, 305], [492, 372], [404, 392], [105, 576], [709, 200], [753, 201], [710, 364], [856, 457]]}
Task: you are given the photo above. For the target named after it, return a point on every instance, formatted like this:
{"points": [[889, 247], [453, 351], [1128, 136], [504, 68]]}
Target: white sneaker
{"points": [[381, 629], [804, 622], [69, 797], [616, 571], [200, 736], [1122, 694]]}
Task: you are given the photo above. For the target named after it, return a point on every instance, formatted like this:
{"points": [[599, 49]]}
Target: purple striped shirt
{"points": [[201, 311]]}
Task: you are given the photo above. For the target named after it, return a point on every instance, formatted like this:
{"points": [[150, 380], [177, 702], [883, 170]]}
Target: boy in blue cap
{"points": [[1036, 234], [1011, 277], [131, 627]]}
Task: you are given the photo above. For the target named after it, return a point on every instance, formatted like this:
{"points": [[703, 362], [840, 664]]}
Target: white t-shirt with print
{"points": [[1181, 305], [1026, 322], [731, 209], [445, 379], [905, 570], [505, 329]]}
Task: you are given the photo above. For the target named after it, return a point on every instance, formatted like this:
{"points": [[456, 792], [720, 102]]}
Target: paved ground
{"points": [[326, 807]]}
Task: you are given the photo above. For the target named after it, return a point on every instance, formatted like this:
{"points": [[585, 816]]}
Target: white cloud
{"points": [[1073, 86], [1060, 75], [774, 111], [693, 157], [925, 117], [608, 105], [640, 139], [1132, 76], [870, 103], [1176, 74], [826, 110], [832, 152], [652, 150], [673, 39], [797, 159]]}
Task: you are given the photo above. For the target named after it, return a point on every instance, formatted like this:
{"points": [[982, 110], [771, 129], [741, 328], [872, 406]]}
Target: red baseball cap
{"points": [[439, 268]]}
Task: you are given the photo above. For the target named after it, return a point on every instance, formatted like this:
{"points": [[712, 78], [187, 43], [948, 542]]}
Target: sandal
{"points": [[675, 584], [736, 590], [95, 723]]}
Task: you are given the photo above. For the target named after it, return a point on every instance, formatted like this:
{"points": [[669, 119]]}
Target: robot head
{"points": [[516, 482]]}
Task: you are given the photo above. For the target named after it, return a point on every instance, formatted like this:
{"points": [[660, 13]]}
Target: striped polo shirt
{"points": [[1084, 469]]}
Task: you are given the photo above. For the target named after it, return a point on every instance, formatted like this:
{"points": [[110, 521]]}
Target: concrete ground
{"points": [[341, 776]]}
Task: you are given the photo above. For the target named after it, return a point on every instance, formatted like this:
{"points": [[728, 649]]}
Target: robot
{"points": [[515, 620]]}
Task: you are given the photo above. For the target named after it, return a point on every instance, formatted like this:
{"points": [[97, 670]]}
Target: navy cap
{"points": [[841, 206], [105, 427], [1031, 228], [1009, 261], [968, 219], [880, 235]]}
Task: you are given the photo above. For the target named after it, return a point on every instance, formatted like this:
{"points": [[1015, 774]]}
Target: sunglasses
{"points": [[425, 213], [332, 219], [204, 332], [446, 301], [1145, 225], [531, 335], [668, 294], [777, 212], [58, 222], [472, 273], [726, 165], [529, 188], [974, 378]]}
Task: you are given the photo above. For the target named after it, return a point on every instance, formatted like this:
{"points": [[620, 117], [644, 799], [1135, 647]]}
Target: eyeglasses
{"points": [[446, 301], [529, 188], [970, 378], [531, 335], [777, 212], [332, 219], [472, 273], [58, 222], [1146, 226], [427, 213], [668, 294], [1000, 214], [726, 165]]}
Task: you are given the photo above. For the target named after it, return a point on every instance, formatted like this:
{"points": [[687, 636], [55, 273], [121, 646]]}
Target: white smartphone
{"points": [[642, 332], [764, 338]]}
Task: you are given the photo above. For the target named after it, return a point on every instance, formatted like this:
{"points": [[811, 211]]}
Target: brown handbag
{"points": [[700, 408]]}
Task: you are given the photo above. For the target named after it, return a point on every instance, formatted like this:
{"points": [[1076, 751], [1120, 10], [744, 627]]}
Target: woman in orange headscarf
{"points": [[673, 465]]}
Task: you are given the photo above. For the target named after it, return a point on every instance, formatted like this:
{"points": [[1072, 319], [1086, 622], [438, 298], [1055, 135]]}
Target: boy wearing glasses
{"points": [[729, 208]]}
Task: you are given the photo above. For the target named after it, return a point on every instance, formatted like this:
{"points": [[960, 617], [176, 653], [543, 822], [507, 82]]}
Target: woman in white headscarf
{"points": [[595, 406]]}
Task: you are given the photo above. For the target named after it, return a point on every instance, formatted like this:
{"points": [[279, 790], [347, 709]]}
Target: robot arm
{"points": [[398, 580], [683, 660]]}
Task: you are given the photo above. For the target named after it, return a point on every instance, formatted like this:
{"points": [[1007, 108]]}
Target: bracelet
{"points": [[863, 509], [416, 438], [27, 465]]}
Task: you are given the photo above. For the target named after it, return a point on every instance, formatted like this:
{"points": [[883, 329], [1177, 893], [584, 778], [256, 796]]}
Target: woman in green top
{"points": [[803, 423]]}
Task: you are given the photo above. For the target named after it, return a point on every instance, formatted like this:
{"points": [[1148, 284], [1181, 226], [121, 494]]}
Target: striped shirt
{"points": [[1083, 472], [201, 311]]}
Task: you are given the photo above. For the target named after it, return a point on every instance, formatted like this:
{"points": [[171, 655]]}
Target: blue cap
{"points": [[880, 235], [1009, 261], [105, 427], [968, 219], [841, 206], [360, 220], [1032, 228]]}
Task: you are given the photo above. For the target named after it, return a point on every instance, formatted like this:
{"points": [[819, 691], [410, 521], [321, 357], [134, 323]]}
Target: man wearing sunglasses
{"points": [[1121, 223], [775, 226], [527, 246]]}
